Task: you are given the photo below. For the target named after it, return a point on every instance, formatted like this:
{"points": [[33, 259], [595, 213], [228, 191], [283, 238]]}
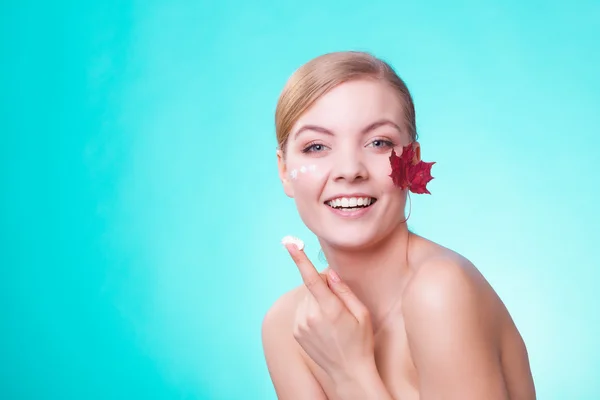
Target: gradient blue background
{"points": [[141, 213]]}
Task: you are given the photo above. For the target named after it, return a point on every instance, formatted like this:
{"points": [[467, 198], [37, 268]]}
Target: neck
{"points": [[375, 274]]}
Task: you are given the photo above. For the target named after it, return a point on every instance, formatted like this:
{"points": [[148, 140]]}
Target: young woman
{"points": [[394, 315]]}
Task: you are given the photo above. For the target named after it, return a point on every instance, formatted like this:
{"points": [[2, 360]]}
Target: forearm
{"points": [[365, 384]]}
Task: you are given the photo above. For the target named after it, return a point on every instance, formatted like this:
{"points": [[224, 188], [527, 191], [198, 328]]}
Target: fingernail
{"points": [[333, 275], [293, 240]]}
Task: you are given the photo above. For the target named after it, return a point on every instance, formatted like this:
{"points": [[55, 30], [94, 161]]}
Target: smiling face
{"points": [[336, 164]]}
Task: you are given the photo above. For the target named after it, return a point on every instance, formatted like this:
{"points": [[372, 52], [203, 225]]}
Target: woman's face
{"points": [[337, 164]]}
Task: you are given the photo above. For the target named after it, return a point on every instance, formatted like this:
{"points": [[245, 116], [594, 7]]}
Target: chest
{"points": [[394, 364]]}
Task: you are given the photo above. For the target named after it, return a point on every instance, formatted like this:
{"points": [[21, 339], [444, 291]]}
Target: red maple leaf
{"points": [[409, 173]]}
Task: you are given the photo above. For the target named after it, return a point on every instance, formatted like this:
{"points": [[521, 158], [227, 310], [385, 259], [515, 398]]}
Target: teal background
{"points": [[141, 213]]}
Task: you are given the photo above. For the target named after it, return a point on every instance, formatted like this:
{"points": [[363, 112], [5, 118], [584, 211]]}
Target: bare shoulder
{"points": [[279, 319], [289, 372], [281, 314], [277, 324], [454, 317], [446, 281], [282, 310]]}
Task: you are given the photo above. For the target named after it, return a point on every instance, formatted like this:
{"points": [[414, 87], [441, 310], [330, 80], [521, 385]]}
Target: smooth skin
{"points": [[319, 343], [394, 316]]}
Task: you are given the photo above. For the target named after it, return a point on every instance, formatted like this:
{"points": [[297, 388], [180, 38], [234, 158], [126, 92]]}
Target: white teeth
{"points": [[350, 202]]}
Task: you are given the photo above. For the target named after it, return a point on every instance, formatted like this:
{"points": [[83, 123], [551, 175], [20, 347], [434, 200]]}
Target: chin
{"points": [[349, 238], [348, 245], [353, 233]]}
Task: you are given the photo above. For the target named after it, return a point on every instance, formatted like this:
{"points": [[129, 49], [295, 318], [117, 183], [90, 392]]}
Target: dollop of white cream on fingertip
{"points": [[293, 240]]}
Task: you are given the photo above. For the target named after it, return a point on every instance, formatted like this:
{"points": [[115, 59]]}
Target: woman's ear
{"points": [[417, 148], [284, 175]]}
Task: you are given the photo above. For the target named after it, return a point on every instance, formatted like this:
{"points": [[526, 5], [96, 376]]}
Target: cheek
{"points": [[379, 171], [306, 174]]}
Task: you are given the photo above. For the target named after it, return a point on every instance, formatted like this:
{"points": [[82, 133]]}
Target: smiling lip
{"points": [[351, 214], [339, 196]]}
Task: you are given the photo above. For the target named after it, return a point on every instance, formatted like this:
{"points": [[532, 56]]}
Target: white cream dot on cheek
{"points": [[307, 169]]}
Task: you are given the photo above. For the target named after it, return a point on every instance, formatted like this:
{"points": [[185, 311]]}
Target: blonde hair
{"points": [[321, 74]]}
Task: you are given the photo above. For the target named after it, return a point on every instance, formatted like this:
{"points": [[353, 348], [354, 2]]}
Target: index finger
{"points": [[313, 280]]}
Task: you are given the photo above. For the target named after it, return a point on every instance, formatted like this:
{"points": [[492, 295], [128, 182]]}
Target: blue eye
{"points": [[314, 148], [380, 143]]}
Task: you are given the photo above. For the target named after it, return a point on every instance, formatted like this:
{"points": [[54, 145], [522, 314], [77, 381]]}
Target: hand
{"points": [[332, 325]]}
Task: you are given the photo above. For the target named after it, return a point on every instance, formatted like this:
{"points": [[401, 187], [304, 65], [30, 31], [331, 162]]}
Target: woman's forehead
{"points": [[354, 105]]}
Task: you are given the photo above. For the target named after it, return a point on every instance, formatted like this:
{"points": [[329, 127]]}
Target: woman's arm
{"points": [[292, 378], [452, 334], [365, 384], [289, 373]]}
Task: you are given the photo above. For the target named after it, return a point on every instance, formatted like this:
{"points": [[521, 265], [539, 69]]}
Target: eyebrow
{"points": [[367, 129]]}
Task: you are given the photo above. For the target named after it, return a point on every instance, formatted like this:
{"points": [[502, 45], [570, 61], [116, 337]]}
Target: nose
{"points": [[349, 166]]}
